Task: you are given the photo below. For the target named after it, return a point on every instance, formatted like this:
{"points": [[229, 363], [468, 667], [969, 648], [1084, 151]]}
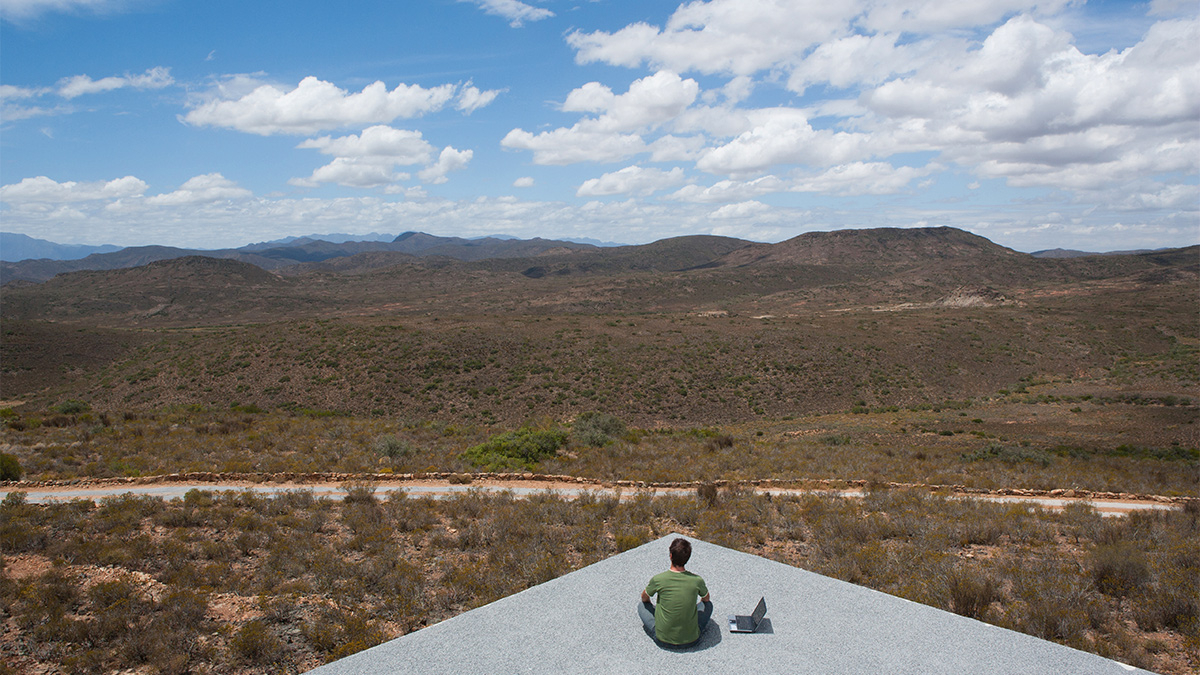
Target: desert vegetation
{"points": [[234, 582], [1011, 440]]}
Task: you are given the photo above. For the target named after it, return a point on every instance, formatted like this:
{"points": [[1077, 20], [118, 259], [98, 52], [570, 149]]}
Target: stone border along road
{"points": [[524, 484]]}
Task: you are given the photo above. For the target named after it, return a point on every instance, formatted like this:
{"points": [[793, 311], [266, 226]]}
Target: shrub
{"points": [[971, 593], [707, 492], [1118, 568], [10, 468], [359, 493], [392, 447], [998, 452], [71, 407], [254, 643], [596, 429], [720, 442], [521, 449], [835, 439]]}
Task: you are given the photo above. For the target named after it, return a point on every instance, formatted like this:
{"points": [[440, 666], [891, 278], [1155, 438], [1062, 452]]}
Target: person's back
{"points": [[677, 618]]}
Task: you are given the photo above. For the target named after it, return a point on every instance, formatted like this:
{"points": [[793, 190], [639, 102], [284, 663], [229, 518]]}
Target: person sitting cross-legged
{"points": [[683, 608]]}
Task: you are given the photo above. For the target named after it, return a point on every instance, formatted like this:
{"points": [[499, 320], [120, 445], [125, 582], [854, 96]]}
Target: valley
{"points": [[886, 361]]}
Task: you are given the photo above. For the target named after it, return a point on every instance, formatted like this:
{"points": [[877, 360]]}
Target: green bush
{"points": [[520, 449], [10, 468], [596, 429], [71, 407]]}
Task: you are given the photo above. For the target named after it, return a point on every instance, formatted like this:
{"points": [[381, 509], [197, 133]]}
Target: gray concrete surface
{"points": [[586, 622]]}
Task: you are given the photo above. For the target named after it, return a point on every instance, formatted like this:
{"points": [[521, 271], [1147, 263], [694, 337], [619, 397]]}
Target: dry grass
{"points": [[241, 582], [990, 443]]}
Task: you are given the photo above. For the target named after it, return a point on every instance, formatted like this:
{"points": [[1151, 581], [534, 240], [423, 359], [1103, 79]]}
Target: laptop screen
{"points": [[760, 611]]}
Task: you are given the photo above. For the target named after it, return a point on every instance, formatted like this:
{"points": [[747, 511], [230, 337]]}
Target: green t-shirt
{"points": [[675, 620]]}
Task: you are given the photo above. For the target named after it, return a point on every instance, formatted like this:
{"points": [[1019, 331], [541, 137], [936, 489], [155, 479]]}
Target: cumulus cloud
{"points": [[370, 159], [401, 146], [738, 37], [360, 172], [631, 180], [515, 11], [47, 191], [78, 85], [1030, 107], [316, 105], [743, 37], [203, 189], [649, 102], [523, 182], [449, 160], [785, 136]]}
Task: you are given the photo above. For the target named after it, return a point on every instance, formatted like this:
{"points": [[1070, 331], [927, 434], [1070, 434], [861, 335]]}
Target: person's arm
{"points": [[704, 599], [645, 598]]}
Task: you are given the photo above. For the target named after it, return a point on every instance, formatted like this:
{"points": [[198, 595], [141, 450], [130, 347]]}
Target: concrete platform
{"points": [[586, 622]]}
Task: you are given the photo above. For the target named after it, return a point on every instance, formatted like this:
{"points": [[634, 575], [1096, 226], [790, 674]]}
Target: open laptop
{"points": [[748, 624]]}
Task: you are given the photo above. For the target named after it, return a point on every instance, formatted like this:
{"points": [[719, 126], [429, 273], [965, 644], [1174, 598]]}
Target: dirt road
{"points": [[173, 487]]}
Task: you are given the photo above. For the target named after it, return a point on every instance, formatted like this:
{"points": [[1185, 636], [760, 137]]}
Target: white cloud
{"points": [[784, 136], [203, 189], [449, 160], [45, 190], [523, 182], [22, 10], [924, 16], [631, 180], [738, 37], [568, 146], [729, 190], [360, 172], [315, 105], [862, 178], [749, 209], [1029, 107], [401, 146], [230, 223], [370, 159], [13, 113], [471, 98], [9, 92], [78, 85], [515, 11], [649, 102]]}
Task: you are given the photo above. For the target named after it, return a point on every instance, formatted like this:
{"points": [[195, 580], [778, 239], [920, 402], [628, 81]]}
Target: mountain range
{"points": [[667, 330], [26, 259]]}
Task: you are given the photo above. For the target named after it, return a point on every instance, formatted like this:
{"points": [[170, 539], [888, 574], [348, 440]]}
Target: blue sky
{"points": [[1037, 124]]}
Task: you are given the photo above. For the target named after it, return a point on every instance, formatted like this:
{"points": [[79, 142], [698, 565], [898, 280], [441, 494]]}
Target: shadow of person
{"points": [[709, 637]]}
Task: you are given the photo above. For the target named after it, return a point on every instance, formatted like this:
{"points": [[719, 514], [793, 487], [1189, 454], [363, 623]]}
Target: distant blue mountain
{"points": [[16, 247]]}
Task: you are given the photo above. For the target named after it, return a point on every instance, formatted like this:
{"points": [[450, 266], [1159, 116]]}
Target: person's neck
{"points": [[677, 568]]}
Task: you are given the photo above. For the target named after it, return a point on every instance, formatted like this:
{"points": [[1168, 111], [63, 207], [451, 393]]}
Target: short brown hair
{"points": [[681, 552]]}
